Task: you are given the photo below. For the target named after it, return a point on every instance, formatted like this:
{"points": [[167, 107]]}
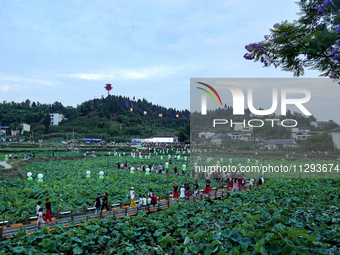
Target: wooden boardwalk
{"points": [[79, 214]]}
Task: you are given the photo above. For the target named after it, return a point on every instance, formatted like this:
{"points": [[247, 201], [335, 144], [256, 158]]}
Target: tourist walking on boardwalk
{"points": [[251, 181], [48, 208], [132, 196], [188, 193], [105, 202], [40, 221], [97, 203], [235, 184], [182, 192], [175, 193], [144, 202], [207, 187], [175, 170], [38, 207], [196, 187], [153, 200], [140, 202], [150, 192]]}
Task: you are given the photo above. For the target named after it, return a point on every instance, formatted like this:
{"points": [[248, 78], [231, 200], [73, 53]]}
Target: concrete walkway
{"points": [[5, 165]]}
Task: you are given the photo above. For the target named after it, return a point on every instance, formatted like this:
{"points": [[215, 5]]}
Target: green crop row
{"points": [[283, 217], [65, 183]]}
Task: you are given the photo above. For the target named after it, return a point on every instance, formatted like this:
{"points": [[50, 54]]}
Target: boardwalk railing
{"points": [[12, 226]]}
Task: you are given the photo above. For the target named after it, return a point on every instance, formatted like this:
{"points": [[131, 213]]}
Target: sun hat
{"points": [[131, 187]]}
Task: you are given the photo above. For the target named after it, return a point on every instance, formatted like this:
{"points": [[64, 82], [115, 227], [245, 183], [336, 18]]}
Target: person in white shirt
{"points": [[149, 200], [235, 185], [144, 202], [182, 192], [38, 207], [251, 181]]}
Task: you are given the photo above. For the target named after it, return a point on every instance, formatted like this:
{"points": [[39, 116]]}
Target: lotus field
{"points": [[299, 216], [66, 183]]}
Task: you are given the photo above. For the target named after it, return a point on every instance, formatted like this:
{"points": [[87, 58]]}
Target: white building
{"points": [[160, 139], [301, 132], [273, 144], [56, 118], [243, 129], [335, 133], [14, 132], [319, 124], [207, 133], [25, 128], [242, 136], [217, 139]]}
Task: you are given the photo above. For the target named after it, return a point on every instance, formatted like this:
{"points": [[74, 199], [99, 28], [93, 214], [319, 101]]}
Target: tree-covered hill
{"points": [[114, 117]]}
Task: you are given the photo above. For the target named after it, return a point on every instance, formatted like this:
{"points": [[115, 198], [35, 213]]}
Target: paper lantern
{"points": [[132, 172], [88, 176], [147, 169], [40, 176], [29, 174], [40, 181], [88, 172], [101, 173], [29, 179], [101, 177], [166, 164], [147, 173], [132, 168], [184, 166]]}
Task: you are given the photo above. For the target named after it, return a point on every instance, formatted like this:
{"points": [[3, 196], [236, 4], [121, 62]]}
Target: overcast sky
{"points": [[67, 51]]}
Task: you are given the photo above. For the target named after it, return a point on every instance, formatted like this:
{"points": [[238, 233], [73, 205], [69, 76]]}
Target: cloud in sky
{"points": [[68, 50]]}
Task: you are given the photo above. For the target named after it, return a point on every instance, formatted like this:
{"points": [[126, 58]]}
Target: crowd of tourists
{"points": [[180, 192]]}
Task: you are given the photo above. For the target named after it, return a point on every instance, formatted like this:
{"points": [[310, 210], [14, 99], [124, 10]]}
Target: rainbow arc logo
{"points": [[209, 93]]}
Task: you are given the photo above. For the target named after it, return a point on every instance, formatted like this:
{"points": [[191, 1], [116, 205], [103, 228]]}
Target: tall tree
{"points": [[47, 122], [311, 42]]}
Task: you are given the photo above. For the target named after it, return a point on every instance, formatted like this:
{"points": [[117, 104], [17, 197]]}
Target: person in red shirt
{"points": [[153, 200], [188, 193], [48, 210], [175, 193], [207, 187]]}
